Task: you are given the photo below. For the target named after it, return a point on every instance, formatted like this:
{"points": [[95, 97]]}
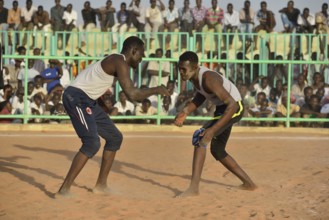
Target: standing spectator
{"points": [[3, 19], [186, 22], [89, 21], [231, 25], [39, 64], [154, 21], [52, 75], [26, 19], [56, 17], [122, 24], [70, 18], [65, 79], [31, 73], [214, 18], [247, 16], [266, 20], [124, 106], [137, 15], [306, 25], [14, 20], [153, 70], [320, 31], [170, 21], [41, 23], [199, 15]]}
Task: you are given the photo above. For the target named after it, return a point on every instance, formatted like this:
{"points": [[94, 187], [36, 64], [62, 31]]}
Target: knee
{"points": [[90, 146], [218, 151], [114, 142]]}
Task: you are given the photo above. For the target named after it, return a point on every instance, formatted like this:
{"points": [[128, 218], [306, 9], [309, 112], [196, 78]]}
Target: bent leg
{"points": [[234, 167]]}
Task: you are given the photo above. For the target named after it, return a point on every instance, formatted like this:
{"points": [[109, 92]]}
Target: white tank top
{"points": [[93, 80], [227, 84]]}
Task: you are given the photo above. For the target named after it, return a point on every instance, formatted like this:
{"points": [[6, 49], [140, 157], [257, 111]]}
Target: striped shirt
{"points": [[215, 16]]}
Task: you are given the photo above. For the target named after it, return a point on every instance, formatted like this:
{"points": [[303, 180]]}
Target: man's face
{"points": [[263, 7], [214, 3], [15, 5], [230, 9], [122, 97], [186, 70], [153, 3], [137, 56]]}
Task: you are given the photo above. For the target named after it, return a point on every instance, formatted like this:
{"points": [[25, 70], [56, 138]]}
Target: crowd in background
{"points": [[264, 93]]}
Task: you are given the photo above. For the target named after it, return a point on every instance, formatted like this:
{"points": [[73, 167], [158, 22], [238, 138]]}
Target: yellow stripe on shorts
{"points": [[235, 114]]}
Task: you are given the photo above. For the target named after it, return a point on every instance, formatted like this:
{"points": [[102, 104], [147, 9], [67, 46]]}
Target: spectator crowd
{"points": [[263, 87]]}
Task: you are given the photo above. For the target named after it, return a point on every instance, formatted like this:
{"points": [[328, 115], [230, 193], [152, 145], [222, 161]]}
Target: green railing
{"points": [[98, 44]]}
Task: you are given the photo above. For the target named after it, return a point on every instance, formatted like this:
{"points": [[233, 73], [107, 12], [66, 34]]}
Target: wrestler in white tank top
{"points": [[227, 84], [93, 80]]}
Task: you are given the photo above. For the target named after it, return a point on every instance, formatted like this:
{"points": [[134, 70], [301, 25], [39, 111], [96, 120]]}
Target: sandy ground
{"points": [[290, 169]]}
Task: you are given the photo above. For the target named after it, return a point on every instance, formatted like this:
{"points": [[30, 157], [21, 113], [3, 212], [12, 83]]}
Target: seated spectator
{"points": [[6, 93], [52, 75], [165, 108], [56, 18], [281, 110], [317, 82], [124, 106], [170, 21], [39, 64], [41, 22], [263, 86], [266, 20], [306, 25], [38, 87], [30, 88], [106, 102], [14, 20], [312, 109], [297, 89], [231, 25], [247, 23], [273, 98], [154, 21], [18, 103], [70, 18], [59, 110], [146, 109], [31, 73], [321, 29], [302, 100], [214, 19], [289, 16], [5, 109], [66, 77], [106, 16], [37, 108], [122, 23], [199, 14], [89, 21], [137, 15], [186, 22], [27, 19], [51, 101], [262, 111]]}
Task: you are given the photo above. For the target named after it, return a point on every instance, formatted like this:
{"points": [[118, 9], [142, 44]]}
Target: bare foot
{"points": [[250, 187], [101, 190], [65, 194], [188, 193]]}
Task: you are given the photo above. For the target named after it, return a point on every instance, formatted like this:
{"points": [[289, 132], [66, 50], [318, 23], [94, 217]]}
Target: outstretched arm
{"points": [[127, 85]]}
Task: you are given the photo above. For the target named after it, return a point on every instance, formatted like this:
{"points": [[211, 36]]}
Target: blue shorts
{"points": [[90, 121]]}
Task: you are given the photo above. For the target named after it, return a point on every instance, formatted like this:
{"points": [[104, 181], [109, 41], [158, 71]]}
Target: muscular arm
{"points": [[213, 83], [122, 70]]}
